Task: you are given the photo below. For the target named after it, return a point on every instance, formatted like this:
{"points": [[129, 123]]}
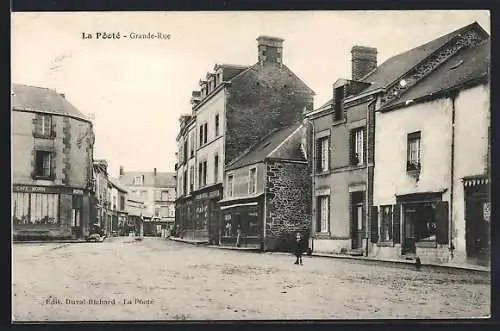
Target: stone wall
{"points": [[262, 99], [288, 203]]}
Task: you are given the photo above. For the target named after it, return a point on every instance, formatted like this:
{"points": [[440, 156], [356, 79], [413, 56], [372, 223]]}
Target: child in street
{"points": [[298, 248]]}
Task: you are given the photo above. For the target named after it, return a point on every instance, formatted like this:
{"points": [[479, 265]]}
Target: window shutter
{"points": [[442, 222], [53, 164], [374, 225], [329, 152], [396, 223], [318, 155]]}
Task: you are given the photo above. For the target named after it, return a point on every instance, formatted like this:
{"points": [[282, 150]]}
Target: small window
{"points": [[323, 154], [43, 164], [138, 180], [43, 125], [339, 102], [205, 132], [216, 168], [323, 214], [217, 125], [230, 185], [413, 159], [358, 149], [201, 134], [252, 184], [164, 195]]}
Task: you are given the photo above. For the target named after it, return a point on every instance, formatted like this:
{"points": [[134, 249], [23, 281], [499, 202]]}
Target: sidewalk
{"points": [[410, 264], [189, 241], [54, 241]]}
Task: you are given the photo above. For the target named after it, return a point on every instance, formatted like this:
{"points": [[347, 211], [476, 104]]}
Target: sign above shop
{"points": [[47, 189]]}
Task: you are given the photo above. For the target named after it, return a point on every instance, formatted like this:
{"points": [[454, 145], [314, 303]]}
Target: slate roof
{"points": [[465, 66], [262, 149], [116, 183], [394, 67], [162, 179], [25, 97]]}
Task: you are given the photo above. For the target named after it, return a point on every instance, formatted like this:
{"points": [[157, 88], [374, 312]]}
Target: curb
{"points": [[192, 242], [241, 249]]}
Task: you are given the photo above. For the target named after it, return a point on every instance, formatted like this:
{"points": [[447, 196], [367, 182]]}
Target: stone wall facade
{"points": [[288, 203]]}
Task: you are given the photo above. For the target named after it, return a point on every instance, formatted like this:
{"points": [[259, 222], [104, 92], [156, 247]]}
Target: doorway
{"points": [[477, 223], [76, 215], [358, 219]]}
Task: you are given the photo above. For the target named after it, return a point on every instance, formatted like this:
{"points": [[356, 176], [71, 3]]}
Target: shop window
{"points": [[386, 223], [323, 218], [252, 183], [413, 147], [426, 222], [358, 146], [43, 125], [323, 159], [230, 185], [35, 208], [43, 164]]}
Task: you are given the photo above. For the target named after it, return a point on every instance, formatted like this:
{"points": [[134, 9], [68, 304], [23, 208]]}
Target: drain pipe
{"points": [[369, 190], [453, 97], [313, 178]]}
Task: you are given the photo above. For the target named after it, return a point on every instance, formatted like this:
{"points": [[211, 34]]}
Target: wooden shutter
{"points": [[396, 224], [318, 155], [374, 225], [442, 222]]}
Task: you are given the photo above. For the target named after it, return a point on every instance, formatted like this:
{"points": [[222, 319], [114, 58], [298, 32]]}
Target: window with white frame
{"points": [[252, 183], [43, 125], [323, 154], [413, 159], [230, 185], [323, 217], [138, 180]]}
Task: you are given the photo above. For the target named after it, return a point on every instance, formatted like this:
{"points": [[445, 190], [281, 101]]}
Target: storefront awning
{"points": [[475, 180]]}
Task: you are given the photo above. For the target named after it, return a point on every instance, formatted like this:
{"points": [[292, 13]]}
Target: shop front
{"points": [[49, 212], [425, 226], [204, 215], [242, 223], [477, 219]]}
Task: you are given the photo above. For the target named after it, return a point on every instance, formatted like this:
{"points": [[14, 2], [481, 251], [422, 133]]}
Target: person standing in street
{"points": [[298, 248]]}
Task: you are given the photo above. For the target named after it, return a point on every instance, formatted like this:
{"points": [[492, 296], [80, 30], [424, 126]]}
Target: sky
{"points": [[138, 89]]}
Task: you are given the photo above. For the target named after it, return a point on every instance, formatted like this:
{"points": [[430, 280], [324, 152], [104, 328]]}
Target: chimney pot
{"points": [[364, 60], [121, 171], [270, 49], [154, 171]]}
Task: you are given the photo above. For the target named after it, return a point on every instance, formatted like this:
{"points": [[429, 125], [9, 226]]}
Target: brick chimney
{"points": [[121, 171], [270, 50], [195, 98], [154, 171], [364, 60]]}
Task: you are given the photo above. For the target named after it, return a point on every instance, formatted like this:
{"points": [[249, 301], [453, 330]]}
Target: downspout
{"points": [[453, 97], [313, 224], [264, 209], [368, 184]]}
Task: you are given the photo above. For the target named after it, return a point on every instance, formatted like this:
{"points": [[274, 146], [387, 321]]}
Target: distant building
{"points": [[235, 107], [118, 207], [267, 193], [101, 206], [157, 191], [52, 147]]}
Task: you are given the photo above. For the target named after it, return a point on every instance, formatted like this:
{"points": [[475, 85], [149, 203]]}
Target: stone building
{"points": [[343, 132], [157, 191], [118, 207], [52, 147], [431, 180], [267, 193], [235, 107], [101, 203]]}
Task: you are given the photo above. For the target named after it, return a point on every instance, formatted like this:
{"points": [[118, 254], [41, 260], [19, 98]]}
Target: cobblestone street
{"points": [[157, 279]]}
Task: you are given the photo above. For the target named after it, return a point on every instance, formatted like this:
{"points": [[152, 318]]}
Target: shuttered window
{"points": [[374, 225], [323, 149], [358, 146], [396, 224], [43, 126], [442, 222]]}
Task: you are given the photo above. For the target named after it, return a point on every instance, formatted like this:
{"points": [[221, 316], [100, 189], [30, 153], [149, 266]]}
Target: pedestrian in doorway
{"points": [[298, 248]]}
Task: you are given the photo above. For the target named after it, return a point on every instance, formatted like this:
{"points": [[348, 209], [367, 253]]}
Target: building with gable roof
{"points": [[346, 134], [267, 193], [52, 153], [235, 107]]}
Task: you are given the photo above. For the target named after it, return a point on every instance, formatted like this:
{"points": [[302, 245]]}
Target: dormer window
{"points": [[339, 103]]}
